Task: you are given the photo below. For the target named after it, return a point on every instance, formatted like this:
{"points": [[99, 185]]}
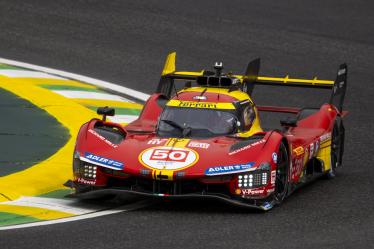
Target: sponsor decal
{"points": [[247, 147], [341, 71], [267, 206], [311, 150], [157, 141], [253, 191], [180, 174], [197, 105], [102, 138], [270, 190], [198, 145], [84, 181], [325, 137], [198, 97], [298, 165], [222, 170], [273, 176], [145, 172], [274, 156], [299, 151], [316, 147], [168, 158], [105, 162]]}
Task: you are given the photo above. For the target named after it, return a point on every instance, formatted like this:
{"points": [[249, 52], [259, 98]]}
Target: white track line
{"points": [[70, 206], [28, 74], [123, 119], [129, 207], [104, 84], [90, 95]]}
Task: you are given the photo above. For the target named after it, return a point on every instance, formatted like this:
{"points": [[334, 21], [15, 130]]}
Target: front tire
{"points": [[281, 180]]}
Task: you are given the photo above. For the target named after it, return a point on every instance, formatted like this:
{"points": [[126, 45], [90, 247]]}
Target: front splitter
{"points": [[123, 193]]}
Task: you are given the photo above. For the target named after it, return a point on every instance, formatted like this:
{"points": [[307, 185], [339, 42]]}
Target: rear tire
{"points": [[281, 180], [337, 143]]}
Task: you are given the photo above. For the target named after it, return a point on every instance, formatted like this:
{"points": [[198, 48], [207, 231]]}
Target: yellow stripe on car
{"points": [[286, 79], [177, 142], [239, 95], [206, 105]]}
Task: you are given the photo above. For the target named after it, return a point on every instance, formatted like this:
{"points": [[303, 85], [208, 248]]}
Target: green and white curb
{"points": [[34, 196]]}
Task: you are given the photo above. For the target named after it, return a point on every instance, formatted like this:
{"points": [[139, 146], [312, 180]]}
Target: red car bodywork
{"points": [[139, 162]]}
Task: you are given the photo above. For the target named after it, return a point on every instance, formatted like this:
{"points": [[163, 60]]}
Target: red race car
{"points": [[206, 141]]}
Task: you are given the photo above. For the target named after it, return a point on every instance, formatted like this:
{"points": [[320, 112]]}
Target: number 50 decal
{"points": [[169, 155], [168, 158]]}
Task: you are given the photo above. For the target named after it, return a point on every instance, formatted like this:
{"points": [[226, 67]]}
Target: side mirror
{"points": [[288, 122], [105, 111]]}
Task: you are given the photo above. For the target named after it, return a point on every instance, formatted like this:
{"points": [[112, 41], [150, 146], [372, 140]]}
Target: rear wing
{"points": [[249, 80]]}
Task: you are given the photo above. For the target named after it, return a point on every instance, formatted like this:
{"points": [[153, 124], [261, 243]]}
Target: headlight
{"points": [[88, 171], [253, 179]]}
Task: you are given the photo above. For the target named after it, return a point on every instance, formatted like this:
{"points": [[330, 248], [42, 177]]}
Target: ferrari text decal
{"points": [[103, 161], [221, 170], [247, 147], [102, 138], [197, 105], [207, 105], [168, 158], [198, 145]]}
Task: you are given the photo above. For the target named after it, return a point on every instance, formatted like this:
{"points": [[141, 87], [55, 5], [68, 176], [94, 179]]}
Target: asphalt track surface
{"points": [[126, 42]]}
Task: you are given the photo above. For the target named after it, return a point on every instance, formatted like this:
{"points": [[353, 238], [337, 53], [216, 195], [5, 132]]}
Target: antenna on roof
{"points": [[218, 66]]}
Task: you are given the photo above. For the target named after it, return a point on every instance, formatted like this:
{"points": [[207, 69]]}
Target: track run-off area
{"points": [[35, 193], [126, 42]]}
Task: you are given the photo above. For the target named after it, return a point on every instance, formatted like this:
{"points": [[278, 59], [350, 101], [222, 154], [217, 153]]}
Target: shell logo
{"points": [[168, 158]]}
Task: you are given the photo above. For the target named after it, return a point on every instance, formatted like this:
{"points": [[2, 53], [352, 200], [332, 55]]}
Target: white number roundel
{"points": [[168, 158]]}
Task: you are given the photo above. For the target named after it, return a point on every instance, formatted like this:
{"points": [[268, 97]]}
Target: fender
{"points": [[148, 118], [92, 127]]}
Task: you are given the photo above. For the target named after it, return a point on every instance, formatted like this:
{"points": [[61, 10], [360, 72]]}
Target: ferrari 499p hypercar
{"points": [[205, 140]]}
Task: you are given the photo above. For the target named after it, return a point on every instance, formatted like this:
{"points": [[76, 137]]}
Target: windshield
{"points": [[196, 122]]}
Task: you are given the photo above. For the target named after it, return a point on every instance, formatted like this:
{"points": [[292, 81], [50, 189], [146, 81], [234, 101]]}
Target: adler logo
{"points": [[222, 170]]}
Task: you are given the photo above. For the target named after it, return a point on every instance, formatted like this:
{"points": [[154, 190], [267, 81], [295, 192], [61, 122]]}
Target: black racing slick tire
{"points": [[281, 179], [337, 143]]}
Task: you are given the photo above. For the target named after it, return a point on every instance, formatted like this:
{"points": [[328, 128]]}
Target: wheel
{"points": [[337, 139], [281, 179]]}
